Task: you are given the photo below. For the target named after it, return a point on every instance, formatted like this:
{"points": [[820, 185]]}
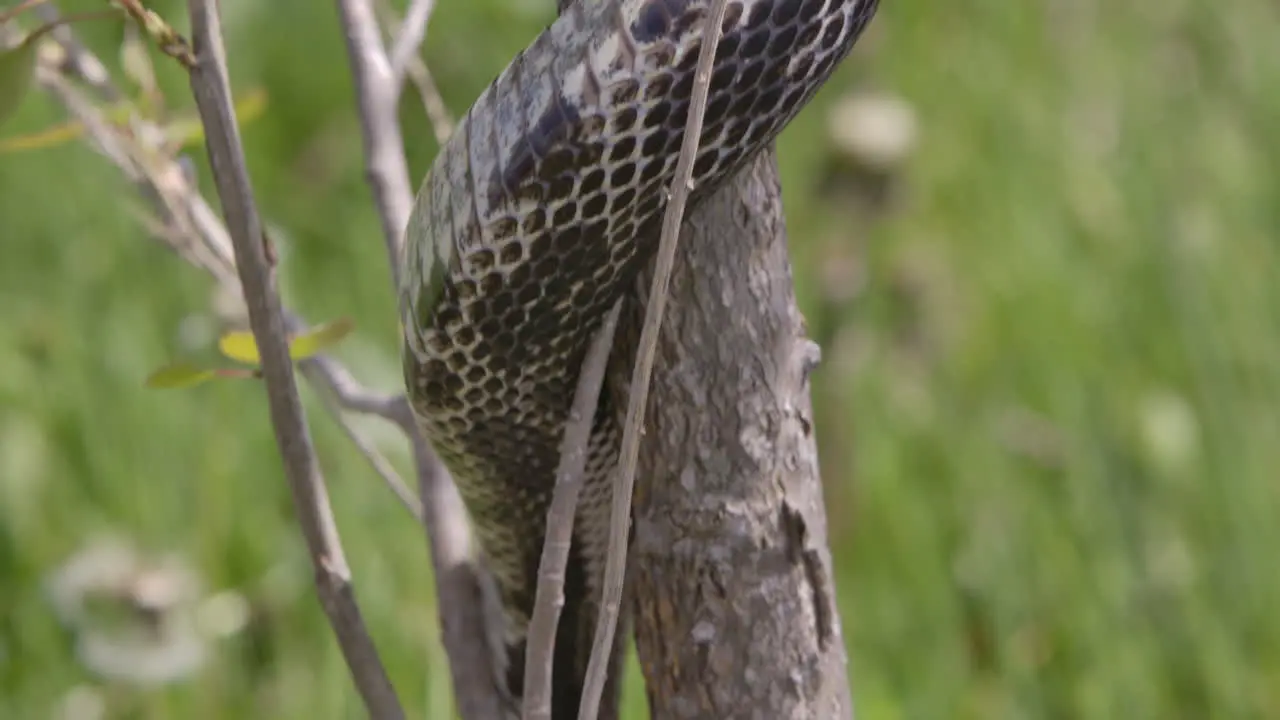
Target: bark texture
{"points": [[730, 574]]}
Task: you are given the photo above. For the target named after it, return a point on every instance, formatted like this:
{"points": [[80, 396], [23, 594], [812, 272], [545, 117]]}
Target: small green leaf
{"points": [[17, 66], [179, 375], [320, 337], [240, 346]]}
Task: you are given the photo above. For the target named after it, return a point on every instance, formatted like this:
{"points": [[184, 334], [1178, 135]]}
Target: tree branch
{"points": [[377, 96], [620, 519], [78, 60], [729, 516], [416, 70], [462, 608], [193, 229], [462, 619], [549, 598], [409, 40], [380, 464], [210, 87]]}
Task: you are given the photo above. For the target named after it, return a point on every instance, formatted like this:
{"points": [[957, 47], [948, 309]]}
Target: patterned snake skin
{"points": [[537, 215]]}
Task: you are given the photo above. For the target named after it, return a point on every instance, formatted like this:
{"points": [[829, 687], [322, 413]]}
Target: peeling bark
{"points": [[730, 575]]}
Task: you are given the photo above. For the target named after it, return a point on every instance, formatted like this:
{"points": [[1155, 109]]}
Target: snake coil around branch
{"points": [[537, 215]]}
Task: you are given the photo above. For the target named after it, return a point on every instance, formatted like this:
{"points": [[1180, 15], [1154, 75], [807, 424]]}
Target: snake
{"points": [[538, 214]]}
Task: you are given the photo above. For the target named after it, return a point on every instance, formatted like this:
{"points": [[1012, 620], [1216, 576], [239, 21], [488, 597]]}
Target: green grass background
{"points": [[1049, 418]]}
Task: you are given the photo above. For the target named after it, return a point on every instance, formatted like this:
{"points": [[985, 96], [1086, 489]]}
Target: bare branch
{"points": [[194, 230], [209, 85], [724, 372], [380, 464], [77, 60], [161, 33], [196, 233], [462, 608], [457, 581], [105, 141], [7, 14], [620, 520], [564, 502], [409, 40], [432, 102], [350, 395], [377, 96], [416, 70]]}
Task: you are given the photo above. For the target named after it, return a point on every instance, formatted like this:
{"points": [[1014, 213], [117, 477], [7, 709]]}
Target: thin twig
{"points": [[169, 41], [432, 102], [380, 464], [620, 519], [460, 600], [78, 61], [418, 72], [409, 40], [8, 14], [206, 244], [192, 229], [462, 619], [106, 142], [210, 87], [198, 236], [193, 222], [377, 98], [337, 380], [549, 599]]}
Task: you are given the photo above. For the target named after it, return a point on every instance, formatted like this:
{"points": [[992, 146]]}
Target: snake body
{"points": [[538, 214]]}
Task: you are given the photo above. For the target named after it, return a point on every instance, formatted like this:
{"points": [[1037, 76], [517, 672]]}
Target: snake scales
{"points": [[539, 212]]}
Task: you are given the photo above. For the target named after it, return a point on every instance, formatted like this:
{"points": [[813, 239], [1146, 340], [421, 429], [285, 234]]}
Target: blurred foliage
{"points": [[1047, 411]]}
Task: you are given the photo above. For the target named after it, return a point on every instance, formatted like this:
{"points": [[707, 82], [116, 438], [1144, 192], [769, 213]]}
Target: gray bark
{"points": [[730, 574], [463, 628]]}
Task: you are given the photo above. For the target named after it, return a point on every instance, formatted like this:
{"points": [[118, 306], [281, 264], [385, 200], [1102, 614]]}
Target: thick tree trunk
{"points": [[730, 579]]}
